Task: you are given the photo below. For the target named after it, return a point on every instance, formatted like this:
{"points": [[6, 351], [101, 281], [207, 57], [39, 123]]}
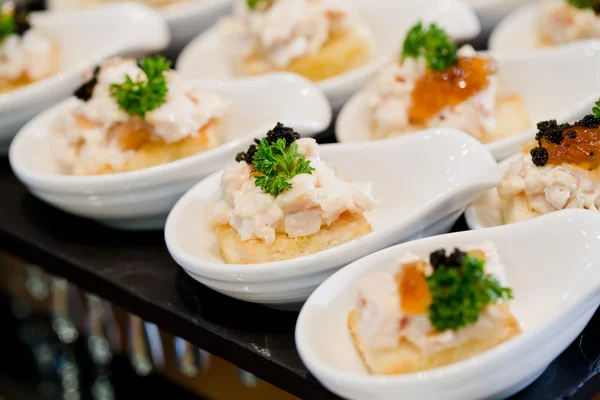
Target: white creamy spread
{"points": [[286, 30], [314, 200], [550, 188], [184, 113], [31, 55], [383, 322], [562, 23], [389, 99]]}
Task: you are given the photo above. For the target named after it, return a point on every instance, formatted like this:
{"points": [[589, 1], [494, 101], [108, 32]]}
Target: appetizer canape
{"points": [[432, 312], [315, 38], [26, 55], [560, 171], [151, 3], [281, 201], [564, 21], [434, 85], [134, 116]]}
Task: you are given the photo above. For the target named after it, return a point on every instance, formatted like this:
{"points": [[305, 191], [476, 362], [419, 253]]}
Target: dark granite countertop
{"points": [[135, 271]]}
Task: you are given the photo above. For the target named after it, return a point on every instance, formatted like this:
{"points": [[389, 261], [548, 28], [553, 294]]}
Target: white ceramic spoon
{"points": [[490, 12], [141, 199], [556, 293], [518, 31], [186, 18], [84, 40], [533, 76], [423, 182], [388, 20], [484, 212]]}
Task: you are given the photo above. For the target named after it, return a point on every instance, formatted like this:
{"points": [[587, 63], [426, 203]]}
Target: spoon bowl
{"points": [[518, 31], [530, 75], [186, 19], [141, 199], [491, 12], [556, 293], [388, 21], [484, 212], [427, 180], [120, 29]]}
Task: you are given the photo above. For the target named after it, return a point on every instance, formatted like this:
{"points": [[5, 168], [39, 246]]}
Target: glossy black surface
{"points": [[135, 271], [34, 363]]}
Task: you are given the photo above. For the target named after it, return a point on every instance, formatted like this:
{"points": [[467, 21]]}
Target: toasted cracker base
{"points": [[511, 117], [157, 153], [7, 85], [341, 53], [235, 251], [407, 358], [515, 209], [510, 114]]}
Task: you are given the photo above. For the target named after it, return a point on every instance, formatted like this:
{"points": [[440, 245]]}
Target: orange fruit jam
{"points": [[439, 89], [415, 297], [582, 150]]}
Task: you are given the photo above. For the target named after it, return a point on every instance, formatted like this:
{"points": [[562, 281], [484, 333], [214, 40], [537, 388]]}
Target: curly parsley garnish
{"points": [[433, 44], [596, 110], [8, 24], [277, 163], [461, 292], [254, 4], [143, 95], [583, 4]]}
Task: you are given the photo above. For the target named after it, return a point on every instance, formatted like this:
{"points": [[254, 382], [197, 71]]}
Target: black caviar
{"points": [[550, 131], [85, 91], [539, 156], [439, 259], [280, 131]]}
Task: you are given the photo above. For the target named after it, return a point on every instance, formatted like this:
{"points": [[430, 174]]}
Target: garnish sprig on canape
{"points": [[461, 290], [144, 94], [594, 5], [14, 20], [276, 160], [8, 24], [258, 4], [432, 43], [565, 135]]}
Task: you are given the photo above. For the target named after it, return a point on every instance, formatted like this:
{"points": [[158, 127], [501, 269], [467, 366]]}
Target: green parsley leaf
{"points": [[583, 4], [254, 4], [277, 163], [8, 25], [143, 95], [433, 44], [461, 294], [596, 110]]}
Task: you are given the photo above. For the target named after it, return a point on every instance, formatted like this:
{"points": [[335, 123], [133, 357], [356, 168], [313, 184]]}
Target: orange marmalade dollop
{"points": [[439, 89], [577, 144], [415, 297]]}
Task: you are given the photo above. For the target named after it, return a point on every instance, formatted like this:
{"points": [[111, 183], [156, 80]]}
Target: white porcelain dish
{"points": [[491, 12], [141, 199], [530, 75], [518, 31], [186, 18], [484, 212], [556, 293], [388, 20], [84, 40], [423, 182]]}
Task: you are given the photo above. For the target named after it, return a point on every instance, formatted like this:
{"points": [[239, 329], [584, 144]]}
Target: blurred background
{"points": [[58, 342]]}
